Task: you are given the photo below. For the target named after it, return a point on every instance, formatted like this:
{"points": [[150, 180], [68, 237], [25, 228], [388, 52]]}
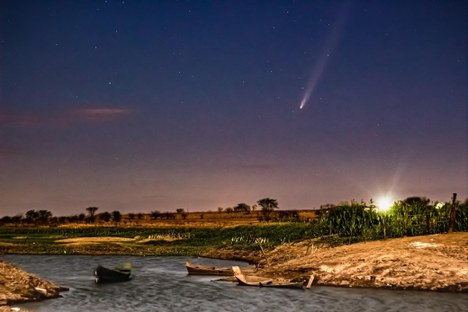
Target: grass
{"points": [[147, 241], [340, 225]]}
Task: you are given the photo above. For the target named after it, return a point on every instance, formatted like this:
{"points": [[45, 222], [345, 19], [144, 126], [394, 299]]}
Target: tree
{"points": [[81, 217], [117, 216], [31, 216], [63, 220], [44, 216], [155, 214], [268, 204], [92, 212], [182, 213], [105, 216], [5, 220], [242, 207], [16, 219]]}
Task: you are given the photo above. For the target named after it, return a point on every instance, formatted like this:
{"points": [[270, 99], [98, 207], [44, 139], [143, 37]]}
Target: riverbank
{"points": [[18, 286], [433, 262]]}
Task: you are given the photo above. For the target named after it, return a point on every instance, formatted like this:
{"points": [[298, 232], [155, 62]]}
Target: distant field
{"points": [[208, 219], [185, 219]]}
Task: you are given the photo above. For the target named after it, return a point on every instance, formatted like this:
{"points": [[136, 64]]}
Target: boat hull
{"points": [[264, 282], [194, 269], [105, 275]]}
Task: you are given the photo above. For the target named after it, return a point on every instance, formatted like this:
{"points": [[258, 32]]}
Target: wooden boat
{"points": [[121, 273], [198, 269], [265, 282]]}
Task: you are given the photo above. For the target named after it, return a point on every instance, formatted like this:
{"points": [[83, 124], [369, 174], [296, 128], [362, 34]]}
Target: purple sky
{"points": [[157, 105]]}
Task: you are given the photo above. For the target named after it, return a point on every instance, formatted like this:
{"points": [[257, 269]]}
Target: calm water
{"points": [[162, 284]]}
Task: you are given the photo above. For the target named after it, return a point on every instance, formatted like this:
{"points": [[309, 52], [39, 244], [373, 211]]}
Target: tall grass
{"points": [[410, 217]]}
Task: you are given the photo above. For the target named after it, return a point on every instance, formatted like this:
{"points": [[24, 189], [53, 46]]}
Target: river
{"points": [[162, 284]]}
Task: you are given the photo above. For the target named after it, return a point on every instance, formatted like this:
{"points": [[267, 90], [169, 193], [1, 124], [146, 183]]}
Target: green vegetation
{"points": [[334, 225], [410, 217], [154, 241]]}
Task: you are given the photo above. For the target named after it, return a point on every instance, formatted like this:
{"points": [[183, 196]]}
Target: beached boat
{"points": [[264, 282], [121, 273], [198, 269]]}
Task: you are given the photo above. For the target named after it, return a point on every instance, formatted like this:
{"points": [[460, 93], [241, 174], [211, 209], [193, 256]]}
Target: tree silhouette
{"points": [[242, 207], [16, 219], [6, 219], [181, 212], [81, 217], [92, 212], [268, 204], [40, 216], [155, 214], [31, 216], [105, 216], [44, 216], [117, 216]]}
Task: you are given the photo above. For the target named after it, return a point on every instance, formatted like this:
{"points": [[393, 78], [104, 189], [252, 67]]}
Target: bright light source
{"points": [[384, 203], [440, 205]]}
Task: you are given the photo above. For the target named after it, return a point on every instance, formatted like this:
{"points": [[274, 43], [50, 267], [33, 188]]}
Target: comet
{"points": [[324, 57]]}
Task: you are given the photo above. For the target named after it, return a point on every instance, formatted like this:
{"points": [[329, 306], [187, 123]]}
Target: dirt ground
{"points": [[433, 262], [18, 286]]}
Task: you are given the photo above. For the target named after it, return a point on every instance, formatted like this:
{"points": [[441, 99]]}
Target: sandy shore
{"points": [[17, 286], [433, 262]]}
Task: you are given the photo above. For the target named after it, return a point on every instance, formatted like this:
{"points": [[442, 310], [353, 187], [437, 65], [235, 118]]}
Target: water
{"points": [[162, 284]]}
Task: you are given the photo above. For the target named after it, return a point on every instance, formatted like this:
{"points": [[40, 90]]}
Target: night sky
{"points": [[156, 105]]}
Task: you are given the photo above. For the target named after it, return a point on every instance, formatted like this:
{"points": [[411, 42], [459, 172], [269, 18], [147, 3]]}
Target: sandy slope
{"points": [[17, 286], [433, 262]]}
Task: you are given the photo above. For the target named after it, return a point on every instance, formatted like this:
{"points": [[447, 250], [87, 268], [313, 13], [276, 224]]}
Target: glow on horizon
{"points": [[384, 203]]}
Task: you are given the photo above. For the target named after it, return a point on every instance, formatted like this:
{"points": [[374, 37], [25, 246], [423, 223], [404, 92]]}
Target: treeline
{"points": [[45, 217], [355, 221]]}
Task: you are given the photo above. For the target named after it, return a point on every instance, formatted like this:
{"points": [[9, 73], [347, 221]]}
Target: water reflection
{"points": [[162, 284]]}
